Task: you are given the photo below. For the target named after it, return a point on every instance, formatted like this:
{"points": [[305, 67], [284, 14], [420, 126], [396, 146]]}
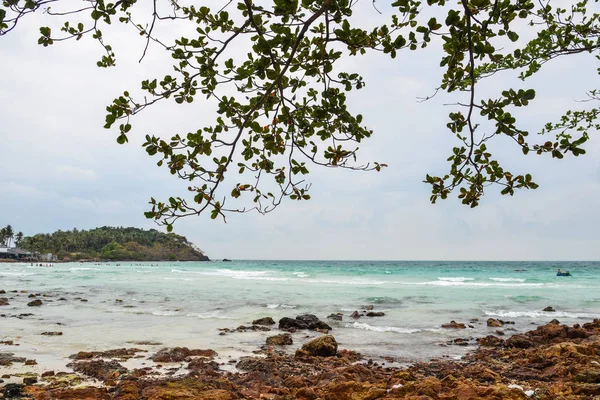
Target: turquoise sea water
{"points": [[185, 303]]}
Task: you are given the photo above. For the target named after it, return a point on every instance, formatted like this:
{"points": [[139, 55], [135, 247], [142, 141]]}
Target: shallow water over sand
{"points": [[184, 304]]}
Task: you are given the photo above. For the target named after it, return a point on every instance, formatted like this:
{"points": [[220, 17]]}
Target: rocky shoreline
{"points": [[554, 361]]}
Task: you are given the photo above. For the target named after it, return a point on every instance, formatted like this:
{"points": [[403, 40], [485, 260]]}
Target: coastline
{"points": [[101, 309], [552, 361]]}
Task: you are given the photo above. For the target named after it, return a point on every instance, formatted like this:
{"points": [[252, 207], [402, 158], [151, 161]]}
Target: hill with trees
{"points": [[112, 243]]}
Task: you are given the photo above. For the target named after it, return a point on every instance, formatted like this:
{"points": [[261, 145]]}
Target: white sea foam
{"points": [[208, 315], [475, 284], [73, 269], [455, 279], [179, 279], [508, 279], [18, 273], [264, 278], [367, 327], [279, 306], [301, 274], [165, 313], [540, 314], [348, 282], [241, 273], [234, 274]]}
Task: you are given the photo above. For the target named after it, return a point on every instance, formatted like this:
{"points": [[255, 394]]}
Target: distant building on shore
{"points": [[16, 253]]}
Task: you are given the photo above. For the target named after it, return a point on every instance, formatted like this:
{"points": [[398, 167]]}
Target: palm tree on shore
{"points": [[18, 238], [10, 233]]}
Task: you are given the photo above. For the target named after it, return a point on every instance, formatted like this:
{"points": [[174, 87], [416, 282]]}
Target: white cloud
{"points": [[75, 173]]}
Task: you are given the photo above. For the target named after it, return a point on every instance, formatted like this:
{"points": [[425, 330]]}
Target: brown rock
{"points": [[122, 354], [204, 367], [494, 323], [519, 341], [490, 341], [84, 393], [30, 380], [52, 333], [4, 301], [323, 346], [562, 350], [454, 325], [355, 315], [284, 339], [375, 314], [99, 369], [294, 382], [6, 359], [337, 316], [586, 389], [179, 354], [429, 387], [255, 364], [306, 394], [574, 333], [30, 362], [35, 303], [263, 321], [588, 376], [550, 331], [549, 309], [459, 342], [481, 374]]}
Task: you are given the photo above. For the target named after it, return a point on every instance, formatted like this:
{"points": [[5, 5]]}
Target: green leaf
{"points": [[122, 139]]}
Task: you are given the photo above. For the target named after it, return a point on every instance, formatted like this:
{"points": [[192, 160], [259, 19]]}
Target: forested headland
{"points": [[112, 243]]}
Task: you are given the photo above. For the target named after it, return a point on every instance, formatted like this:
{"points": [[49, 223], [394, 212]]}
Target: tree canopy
{"points": [[275, 70]]}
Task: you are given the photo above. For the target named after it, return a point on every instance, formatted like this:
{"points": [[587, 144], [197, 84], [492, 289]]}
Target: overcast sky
{"points": [[60, 169]]}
